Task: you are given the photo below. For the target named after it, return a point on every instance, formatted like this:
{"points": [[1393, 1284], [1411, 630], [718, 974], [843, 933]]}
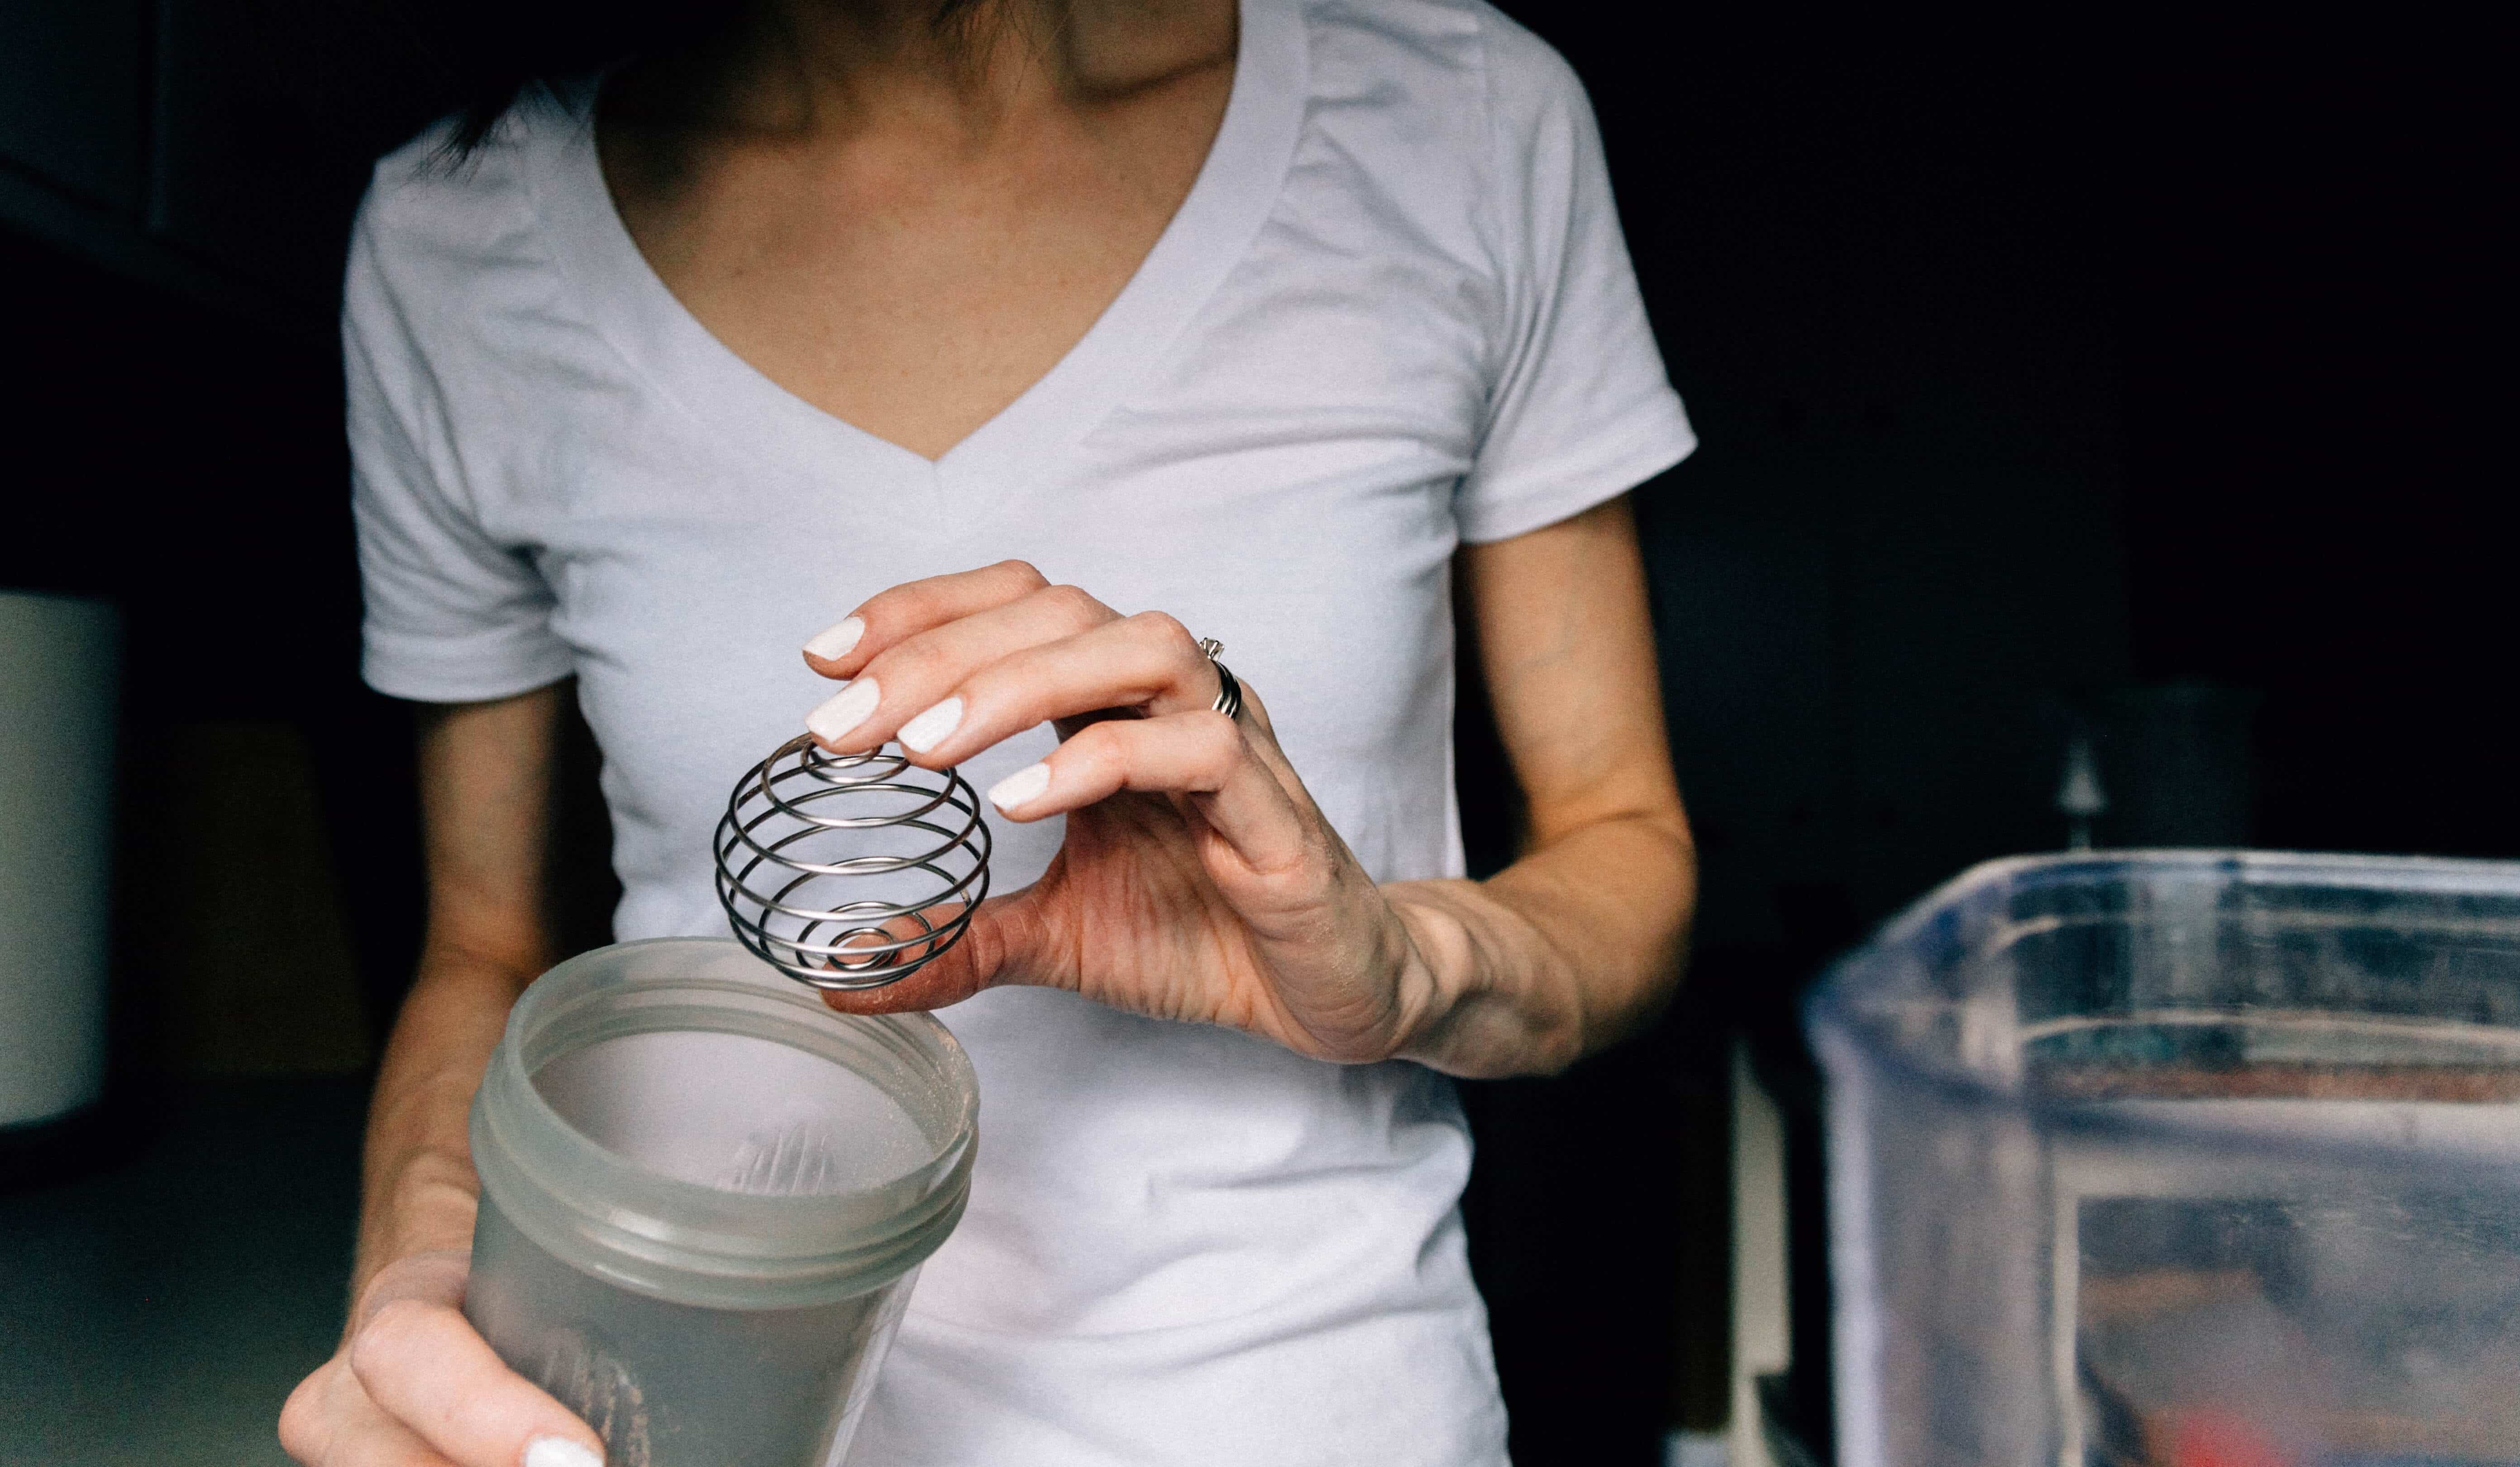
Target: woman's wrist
{"points": [[1561, 953], [421, 1193], [1480, 1000], [426, 1207]]}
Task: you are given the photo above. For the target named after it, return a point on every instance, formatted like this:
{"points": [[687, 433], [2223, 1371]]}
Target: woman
{"points": [[1043, 337]]}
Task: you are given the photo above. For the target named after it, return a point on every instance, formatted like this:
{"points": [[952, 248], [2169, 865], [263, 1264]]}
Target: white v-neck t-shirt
{"points": [[1394, 314]]}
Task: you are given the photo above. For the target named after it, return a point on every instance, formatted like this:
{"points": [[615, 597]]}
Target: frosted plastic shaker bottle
{"points": [[704, 1197]]}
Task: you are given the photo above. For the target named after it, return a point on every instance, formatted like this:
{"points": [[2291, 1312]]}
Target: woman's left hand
{"points": [[1198, 880]]}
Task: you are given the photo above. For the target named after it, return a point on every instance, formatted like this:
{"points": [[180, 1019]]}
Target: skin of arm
{"points": [[1580, 941], [485, 774]]}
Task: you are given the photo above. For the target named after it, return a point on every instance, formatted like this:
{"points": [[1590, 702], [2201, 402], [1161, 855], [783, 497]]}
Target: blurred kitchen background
{"points": [[2095, 414]]}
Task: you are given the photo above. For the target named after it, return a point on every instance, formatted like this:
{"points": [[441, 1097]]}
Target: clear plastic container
{"points": [[2182, 1159], [704, 1197]]}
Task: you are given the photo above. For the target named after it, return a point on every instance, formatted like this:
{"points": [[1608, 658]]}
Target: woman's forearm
{"points": [[419, 1190], [1579, 941], [1567, 950], [484, 784]]}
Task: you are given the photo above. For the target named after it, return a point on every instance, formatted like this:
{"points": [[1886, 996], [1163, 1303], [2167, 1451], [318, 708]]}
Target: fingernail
{"points": [[835, 640], [843, 711], [929, 728], [560, 1451], [1022, 787]]}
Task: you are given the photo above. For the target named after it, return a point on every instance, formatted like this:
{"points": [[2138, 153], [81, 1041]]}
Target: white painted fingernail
{"points": [[835, 640], [844, 710], [560, 1451], [1022, 787], [929, 728]]}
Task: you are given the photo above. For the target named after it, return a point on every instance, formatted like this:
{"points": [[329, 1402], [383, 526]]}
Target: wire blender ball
{"points": [[850, 871]]}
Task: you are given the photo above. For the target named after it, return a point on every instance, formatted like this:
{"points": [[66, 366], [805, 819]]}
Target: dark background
{"points": [[2041, 365]]}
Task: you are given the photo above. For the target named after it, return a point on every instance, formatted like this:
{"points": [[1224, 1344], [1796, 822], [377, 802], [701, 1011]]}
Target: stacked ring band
{"points": [[1229, 691]]}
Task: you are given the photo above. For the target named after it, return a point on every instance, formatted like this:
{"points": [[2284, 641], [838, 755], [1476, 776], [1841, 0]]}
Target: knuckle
{"points": [[301, 1431], [1096, 749], [1091, 743], [390, 1336], [1165, 630], [1022, 572], [1073, 605]]}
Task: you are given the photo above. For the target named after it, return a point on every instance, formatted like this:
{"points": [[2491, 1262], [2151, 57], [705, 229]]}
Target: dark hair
{"points": [[531, 42], [483, 54]]}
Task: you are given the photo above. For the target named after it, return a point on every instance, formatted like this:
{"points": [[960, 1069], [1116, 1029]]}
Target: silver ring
{"points": [[1229, 692]]}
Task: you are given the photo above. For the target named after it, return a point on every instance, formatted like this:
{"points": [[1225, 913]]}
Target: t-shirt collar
{"points": [[1226, 206]]}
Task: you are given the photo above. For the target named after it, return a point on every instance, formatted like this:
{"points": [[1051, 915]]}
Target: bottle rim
{"points": [[1885, 1012], [684, 1241]]}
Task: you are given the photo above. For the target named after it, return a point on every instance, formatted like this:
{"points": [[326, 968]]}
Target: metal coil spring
{"points": [[804, 826]]}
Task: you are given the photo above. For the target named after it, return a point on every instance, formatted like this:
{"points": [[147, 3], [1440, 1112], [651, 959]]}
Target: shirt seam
{"points": [[1652, 442]]}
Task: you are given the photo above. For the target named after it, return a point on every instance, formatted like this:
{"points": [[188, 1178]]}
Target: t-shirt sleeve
{"points": [[453, 615], [1580, 410]]}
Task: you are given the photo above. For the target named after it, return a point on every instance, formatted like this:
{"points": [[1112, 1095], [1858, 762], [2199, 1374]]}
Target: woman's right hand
{"points": [[413, 1385]]}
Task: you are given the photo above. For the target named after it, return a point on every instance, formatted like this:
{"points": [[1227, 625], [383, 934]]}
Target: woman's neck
{"points": [[905, 224], [811, 71]]}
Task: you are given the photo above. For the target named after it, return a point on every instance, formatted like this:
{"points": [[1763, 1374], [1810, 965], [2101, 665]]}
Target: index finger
{"points": [[913, 607]]}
